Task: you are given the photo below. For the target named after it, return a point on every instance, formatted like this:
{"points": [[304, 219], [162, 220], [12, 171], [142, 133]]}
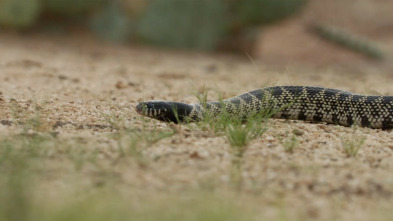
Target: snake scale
{"points": [[315, 104]]}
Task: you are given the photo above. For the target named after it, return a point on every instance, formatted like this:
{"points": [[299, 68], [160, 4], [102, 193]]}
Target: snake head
{"points": [[164, 110]]}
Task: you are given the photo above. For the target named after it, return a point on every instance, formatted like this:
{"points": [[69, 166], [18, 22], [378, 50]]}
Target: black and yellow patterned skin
{"points": [[307, 103]]}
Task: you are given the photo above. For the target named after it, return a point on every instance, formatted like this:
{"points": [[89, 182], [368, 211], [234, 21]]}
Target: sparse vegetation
{"points": [[353, 143], [132, 141], [116, 121], [22, 199], [23, 156], [239, 134], [238, 131], [17, 203], [289, 142]]}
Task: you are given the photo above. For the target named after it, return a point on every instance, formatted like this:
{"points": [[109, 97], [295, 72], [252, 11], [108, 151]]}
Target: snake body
{"points": [[307, 103]]}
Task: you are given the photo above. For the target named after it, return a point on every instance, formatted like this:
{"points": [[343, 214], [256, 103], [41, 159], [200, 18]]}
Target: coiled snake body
{"points": [[289, 102]]}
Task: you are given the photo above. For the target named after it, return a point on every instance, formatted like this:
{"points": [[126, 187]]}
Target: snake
{"points": [[306, 103]]}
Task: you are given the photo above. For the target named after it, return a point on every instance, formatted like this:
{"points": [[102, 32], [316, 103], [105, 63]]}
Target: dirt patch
{"points": [[85, 91]]}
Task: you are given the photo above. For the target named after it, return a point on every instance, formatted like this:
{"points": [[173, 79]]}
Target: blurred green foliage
{"points": [[184, 23], [70, 8], [19, 13], [191, 24], [265, 11], [112, 23]]}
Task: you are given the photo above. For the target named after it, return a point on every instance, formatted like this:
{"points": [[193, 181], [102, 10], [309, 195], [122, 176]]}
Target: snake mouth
{"points": [[140, 108], [143, 109]]}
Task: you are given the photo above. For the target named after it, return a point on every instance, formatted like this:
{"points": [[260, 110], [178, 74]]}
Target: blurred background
{"points": [[312, 32]]}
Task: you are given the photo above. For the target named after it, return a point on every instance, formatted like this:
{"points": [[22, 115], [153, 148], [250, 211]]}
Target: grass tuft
{"points": [[116, 121], [289, 142], [239, 131], [353, 144]]}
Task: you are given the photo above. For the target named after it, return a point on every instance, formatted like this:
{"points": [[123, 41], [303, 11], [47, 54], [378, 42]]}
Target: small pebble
{"points": [[297, 132], [121, 85]]}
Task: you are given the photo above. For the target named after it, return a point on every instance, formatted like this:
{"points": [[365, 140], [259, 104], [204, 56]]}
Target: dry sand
{"points": [[75, 81]]}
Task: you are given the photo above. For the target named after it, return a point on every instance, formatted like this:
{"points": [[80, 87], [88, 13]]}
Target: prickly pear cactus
{"points": [[264, 11], [194, 24], [134, 8], [350, 41], [112, 23], [19, 13], [70, 8]]}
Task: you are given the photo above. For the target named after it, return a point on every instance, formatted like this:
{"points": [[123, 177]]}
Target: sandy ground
{"points": [[75, 81]]}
